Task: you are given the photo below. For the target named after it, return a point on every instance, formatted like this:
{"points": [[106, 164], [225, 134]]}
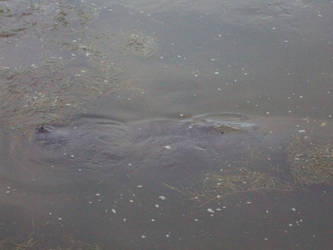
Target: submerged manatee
{"points": [[240, 153]]}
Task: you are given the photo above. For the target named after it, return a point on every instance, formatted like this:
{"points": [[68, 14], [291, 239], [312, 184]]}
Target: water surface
{"points": [[168, 124]]}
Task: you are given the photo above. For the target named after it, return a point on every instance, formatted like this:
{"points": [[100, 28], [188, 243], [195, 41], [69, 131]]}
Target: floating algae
{"points": [[51, 92], [142, 45], [35, 241], [311, 163], [215, 186]]}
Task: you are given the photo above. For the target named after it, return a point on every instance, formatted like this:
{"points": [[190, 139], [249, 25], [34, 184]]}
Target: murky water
{"points": [[166, 124]]}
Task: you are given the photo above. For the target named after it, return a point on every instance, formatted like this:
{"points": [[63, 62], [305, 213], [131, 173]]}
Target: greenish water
{"points": [[168, 124]]}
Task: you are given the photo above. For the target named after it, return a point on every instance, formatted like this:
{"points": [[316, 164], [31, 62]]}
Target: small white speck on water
{"points": [[50, 213], [219, 89], [323, 124], [218, 196], [196, 220], [90, 202], [59, 219], [267, 113], [124, 219], [152, 220], [179, 56], [98, 194], [167, 235], [7, 191], [265, 238], [131, 201], [219, 35], [248, 202], [181, 115], [301, 131], [113, 210], [162, 197], [245, 73], [195, 75], [301, 97], [143, 236], [72, 156], [79, 170], [157, 205], [293, 209], [218, 209], [212, 59], [290, 224], [161, 57], [267, 211], [139, 186], [285, 41], [289, 111], [167, 147], [216, 73], [209, 210], [274, 28], [130, 164]]}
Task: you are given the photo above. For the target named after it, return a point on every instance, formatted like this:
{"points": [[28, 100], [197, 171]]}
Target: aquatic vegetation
{"points": [[311, 163], [142, 45], [50, 92], [36, 241], [217, 186]]}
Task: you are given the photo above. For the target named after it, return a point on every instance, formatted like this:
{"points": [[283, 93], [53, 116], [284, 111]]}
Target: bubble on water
{"points": [[209, 210], [167, 147], [113, 210], [98, 194], [131, 201], [152, 220], [167, 235], [216, 73], [161, 197], [143, 236], [196, 220], [124, 219], [157, 205], [293, 209], [139, 186]]}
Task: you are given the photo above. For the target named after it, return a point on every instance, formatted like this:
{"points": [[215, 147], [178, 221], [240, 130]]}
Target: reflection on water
{"points": [[122, 126]]}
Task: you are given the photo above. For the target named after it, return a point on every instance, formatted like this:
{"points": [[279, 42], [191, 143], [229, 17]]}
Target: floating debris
{"points": [[142, 45], [161, 197]]}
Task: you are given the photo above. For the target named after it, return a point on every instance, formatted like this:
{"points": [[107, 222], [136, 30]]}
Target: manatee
{"points": [[264, 152]]}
